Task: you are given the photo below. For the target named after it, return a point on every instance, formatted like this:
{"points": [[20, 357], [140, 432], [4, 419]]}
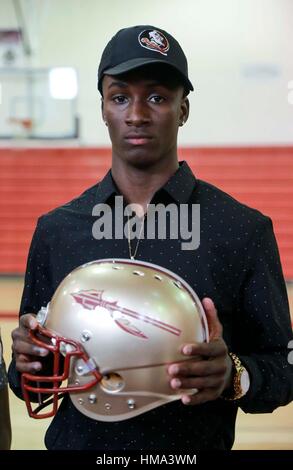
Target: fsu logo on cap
{"points": [[154, 40]]}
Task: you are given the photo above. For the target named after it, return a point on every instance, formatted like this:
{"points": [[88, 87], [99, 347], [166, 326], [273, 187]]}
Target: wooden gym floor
{"points": [[267, 431]]}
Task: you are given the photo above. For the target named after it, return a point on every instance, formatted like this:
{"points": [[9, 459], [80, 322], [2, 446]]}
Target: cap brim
{"points": [[139, 62]]}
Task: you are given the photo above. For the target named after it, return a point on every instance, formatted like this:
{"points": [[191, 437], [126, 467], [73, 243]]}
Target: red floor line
{"points": [[8, 316]]}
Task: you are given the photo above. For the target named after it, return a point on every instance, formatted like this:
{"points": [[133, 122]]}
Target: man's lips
{"points": [[138, 139]]}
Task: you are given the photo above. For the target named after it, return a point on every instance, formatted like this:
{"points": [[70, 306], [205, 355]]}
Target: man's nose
{"points": [[138, 114]]}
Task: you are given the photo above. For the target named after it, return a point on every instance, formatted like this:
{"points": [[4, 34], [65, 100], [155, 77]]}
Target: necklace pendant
{"points": [[131, 257]]}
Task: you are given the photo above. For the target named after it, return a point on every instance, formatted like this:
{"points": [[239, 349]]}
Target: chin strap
{"points": [[46, 403]]}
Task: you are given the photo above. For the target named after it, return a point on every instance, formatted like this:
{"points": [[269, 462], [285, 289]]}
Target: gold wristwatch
{"points": [[241, 381]]}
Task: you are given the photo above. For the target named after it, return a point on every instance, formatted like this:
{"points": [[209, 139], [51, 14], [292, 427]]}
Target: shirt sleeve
{"points": [[38, 288], [264, 327]]}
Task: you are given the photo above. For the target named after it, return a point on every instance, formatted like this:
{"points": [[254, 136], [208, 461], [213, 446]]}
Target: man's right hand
{"points": [[27, 354]]}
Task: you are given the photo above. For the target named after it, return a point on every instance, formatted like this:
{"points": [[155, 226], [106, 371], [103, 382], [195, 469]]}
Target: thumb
{"points": [[28, 321], [215, 327]]}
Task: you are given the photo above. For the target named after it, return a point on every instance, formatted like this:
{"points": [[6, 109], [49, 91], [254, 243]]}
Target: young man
{"points": [[235, 270], [5, 425]]}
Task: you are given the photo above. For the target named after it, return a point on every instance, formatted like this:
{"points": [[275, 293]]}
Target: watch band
{"points": [[238, 370]]}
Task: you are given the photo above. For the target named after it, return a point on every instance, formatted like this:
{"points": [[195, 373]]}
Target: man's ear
{"points": [[184, 111], [102, 110], [102, 106]]}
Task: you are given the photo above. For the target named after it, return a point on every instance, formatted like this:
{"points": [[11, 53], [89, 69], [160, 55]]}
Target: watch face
{"points": [[244, 381]]}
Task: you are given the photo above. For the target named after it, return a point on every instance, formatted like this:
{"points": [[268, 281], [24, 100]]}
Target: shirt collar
{"points": [[180, 186], [107, 188]]}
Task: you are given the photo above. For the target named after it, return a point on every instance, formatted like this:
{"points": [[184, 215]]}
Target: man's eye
{"points": [[120, 99], [156, 99]]}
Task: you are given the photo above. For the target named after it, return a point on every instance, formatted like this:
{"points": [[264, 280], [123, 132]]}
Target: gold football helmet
{"points": [[113, 326]]}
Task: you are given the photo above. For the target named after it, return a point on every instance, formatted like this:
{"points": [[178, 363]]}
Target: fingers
{"points": [[28, 321], [27, 354], [201, 368], [214, 348], [202, 396], [199, 383], [25, 363], [214, 325], [23, 347], [206, 368]]}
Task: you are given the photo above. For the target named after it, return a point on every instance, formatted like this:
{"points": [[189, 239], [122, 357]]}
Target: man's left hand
{"points": [[210, 372]]}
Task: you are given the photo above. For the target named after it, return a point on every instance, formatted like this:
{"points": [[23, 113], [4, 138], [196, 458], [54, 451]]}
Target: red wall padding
{"points": [[35, 180]]}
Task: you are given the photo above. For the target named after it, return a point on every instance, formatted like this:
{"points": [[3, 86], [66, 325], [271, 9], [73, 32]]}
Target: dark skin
{"points": [[143, 113], [139, 106]]}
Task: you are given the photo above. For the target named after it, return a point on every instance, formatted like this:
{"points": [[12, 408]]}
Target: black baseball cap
{"points": [[137, 46]]}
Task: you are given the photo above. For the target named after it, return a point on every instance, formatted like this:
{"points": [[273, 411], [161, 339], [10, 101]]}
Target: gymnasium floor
{"points": [[268, 431]]}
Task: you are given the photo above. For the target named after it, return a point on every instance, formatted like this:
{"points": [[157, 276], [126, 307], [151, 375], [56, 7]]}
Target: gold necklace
{"points": [[133, 255]]}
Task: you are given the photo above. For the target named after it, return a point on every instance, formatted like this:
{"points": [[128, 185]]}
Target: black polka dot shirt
{"points": [[236, 264]]}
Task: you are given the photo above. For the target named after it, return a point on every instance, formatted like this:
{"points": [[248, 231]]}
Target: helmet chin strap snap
{"points": [[83, 368]]}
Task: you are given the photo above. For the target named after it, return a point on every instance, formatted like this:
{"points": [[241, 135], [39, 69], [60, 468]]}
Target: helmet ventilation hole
{"points": [[177, 284]]}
